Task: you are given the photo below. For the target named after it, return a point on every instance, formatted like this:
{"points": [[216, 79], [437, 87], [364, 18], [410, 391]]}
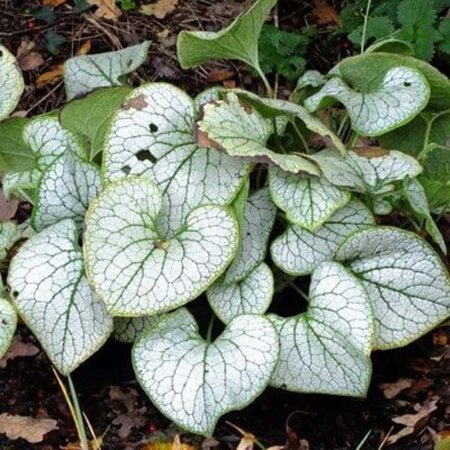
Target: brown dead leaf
{"points": [[175, 445], [218, 75], [391, 390], [107, 9], [127, 421], [325, 14], [8, 208], [31, 429], [159, 9], [18, 349], [53, 2], [27, 58], [85, 48], [440, 338], [370, 152], [53, 76], [413, 422]]}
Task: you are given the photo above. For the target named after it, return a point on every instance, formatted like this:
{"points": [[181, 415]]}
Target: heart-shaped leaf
{"points": [[11, 83], [65, 191], [237, 41], [242, 131], [388, 102], [326, 350], [298, 251], [153, 134], [259, 217], [135, 268], [83, 74], [194, 382], [369, 170], [129, 329], [307, 201], [15, 155], [8, 323], [47, 141], [251, 295], [407, 284], [52, 296]]}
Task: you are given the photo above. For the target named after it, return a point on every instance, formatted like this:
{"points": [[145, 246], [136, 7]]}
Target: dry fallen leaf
{"points": [[413, 422], [159, 9], [18, 349], [27, 58], [107, 9], [391, 390], [8, 208], [175, 445], [127, 421], [51, 77], [325, 14], [218, 75], [85, 48], [53, 2], [31, 429]]}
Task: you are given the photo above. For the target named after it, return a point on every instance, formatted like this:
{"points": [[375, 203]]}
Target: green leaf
{"points": [[392, 45], [367, 170], [65, 191], [54, 40], [83, 74], [444, 31], [251, 295], [417, 198], [10, 233], [392, 99], [359, 71], [52, 296], [129, 329], [327, 349], [153, 133], [307, 201], [15, 155], [259, 217], [91, 116], [228, 126], [194, 382], [298, 251], [378, 27], [8, 323], [136, 269], [47, 141], [237, 41], [407, 284], [11, 83]]}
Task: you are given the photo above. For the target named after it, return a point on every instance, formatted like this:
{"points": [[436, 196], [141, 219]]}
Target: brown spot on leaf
{"points": [[204, 141], [370, 152], [138, 103]]}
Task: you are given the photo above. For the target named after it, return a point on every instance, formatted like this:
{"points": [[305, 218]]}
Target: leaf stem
{"points": [[298, 290], [210, 329], [364, 31], [302, 138], [269, 90], [79, 415]]}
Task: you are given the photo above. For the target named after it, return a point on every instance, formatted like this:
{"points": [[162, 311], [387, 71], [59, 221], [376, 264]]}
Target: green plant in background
{"points": [[422, 23], [152, 207]]}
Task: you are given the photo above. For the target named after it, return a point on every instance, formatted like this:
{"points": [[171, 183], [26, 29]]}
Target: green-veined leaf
{"points": [[51, 294], [392, 100], [129, 329], [153, 133], [11, 83], [83, 74], [307, 201], [194, 382], [8, 323], [298, 251], [251, 295], [65, 191], [408, 285], [135, 268], [229, 126], [327, 349], [368, 169], [47, 141], [259, 217]]}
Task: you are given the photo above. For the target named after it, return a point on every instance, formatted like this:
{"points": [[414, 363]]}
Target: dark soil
{"points": [[106, 384]]}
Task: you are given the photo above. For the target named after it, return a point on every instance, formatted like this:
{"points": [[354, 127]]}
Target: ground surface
{"points": [[109, 395]]}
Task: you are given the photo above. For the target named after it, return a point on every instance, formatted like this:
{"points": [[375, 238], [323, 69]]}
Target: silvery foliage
{"points": [[179, 210]]}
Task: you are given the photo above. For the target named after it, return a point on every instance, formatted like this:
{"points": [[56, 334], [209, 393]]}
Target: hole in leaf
{"points": [[126, 169], [14, 294], [130, 61], [145, 155], [407, 83], [153, 128]]}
